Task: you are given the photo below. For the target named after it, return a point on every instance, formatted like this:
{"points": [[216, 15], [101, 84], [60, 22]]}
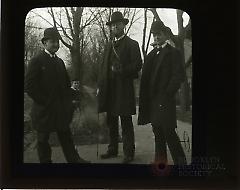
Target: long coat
{"points": [[48, 84], [130, 59], [162, 75]]}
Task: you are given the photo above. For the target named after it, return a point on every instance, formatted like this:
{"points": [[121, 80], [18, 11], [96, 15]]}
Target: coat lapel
{"points": [[125, 45], [144, 89], [159, 60]]}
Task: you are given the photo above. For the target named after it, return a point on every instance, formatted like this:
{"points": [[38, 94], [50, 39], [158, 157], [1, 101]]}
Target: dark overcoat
{"points": [[162, 75], [130, 59], [48, 84]]}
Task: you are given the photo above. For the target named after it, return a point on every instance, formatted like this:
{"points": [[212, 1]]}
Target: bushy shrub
{"points": [[87, 126]]}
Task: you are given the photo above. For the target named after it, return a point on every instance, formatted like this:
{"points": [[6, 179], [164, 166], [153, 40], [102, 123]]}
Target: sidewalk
{"points": [[144, 141]]}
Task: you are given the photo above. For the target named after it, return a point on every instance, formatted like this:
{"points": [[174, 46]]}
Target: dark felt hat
{"points": [[51, 33], [117, 17], [158, 26]]}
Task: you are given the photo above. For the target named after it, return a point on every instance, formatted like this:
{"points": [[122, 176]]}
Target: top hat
{"points": [[117, 17], [51, 33], [158, 26]]}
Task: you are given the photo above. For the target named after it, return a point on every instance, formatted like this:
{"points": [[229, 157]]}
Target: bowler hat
{"points": [[117, 17], [50, 33], [158, 26]]}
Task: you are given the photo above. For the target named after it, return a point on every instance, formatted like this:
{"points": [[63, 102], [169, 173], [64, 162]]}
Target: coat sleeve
{"points": [[135, 61], [177, 74], [32, 82]]}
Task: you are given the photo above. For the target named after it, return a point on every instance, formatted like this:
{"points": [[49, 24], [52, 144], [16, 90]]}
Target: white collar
{"points": [[164, 44], [117, 39], [51, 55]]}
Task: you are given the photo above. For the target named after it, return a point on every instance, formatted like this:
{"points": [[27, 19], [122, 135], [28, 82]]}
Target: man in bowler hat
{"points": [[121, 63], [48, 84], [162, 75]]}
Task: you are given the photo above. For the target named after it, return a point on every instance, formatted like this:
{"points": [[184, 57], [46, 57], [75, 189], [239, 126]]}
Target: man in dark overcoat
{"points": [[162, 75], [48, 84], [121, 63]]}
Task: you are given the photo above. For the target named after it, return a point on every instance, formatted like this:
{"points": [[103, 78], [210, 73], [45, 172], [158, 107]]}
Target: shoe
{"points": [[108, 155], [127, 159]]}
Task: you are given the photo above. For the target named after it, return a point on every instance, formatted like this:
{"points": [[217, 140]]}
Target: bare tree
{"points": [[72, 23], [145, 45], [101, 23], [144, 34], [131, 14], [32, 42]]}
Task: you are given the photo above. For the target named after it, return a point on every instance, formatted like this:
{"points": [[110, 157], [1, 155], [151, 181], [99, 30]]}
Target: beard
{"points": [[54, 49], [117, 33], [157, 43]]}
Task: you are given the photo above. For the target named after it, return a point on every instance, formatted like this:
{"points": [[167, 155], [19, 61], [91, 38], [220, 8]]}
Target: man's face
{"points": [[51, 45], [117, 28], [159, 37]]}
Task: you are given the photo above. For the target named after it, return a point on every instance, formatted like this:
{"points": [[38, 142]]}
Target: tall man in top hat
{"points": [[48, 84], [121, 63], [162, 75]]}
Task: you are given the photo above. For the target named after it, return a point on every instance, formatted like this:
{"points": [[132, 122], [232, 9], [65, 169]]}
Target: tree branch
{"points": [[102, 26], [144, 33], [69, 22], [100, 21], [149, 37], [43, 18], [55, 23], [181, 29], [53, 17], [77, 18], [155, 14], [63, 29], [65, 32], [66, 44], [88, 22], [131, 22]]}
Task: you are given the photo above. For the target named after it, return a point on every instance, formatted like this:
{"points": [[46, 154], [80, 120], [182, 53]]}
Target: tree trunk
{"points": [[184, 95], [144, 35], [76, 64]]}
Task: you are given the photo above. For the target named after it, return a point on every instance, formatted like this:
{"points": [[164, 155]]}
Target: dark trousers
{"points": [[65, 139], [169, 136], [127, 134]]}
